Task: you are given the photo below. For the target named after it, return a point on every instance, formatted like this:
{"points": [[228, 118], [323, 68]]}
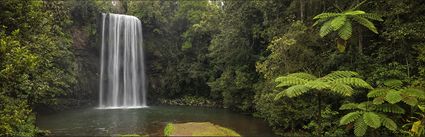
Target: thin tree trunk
{"points": [[319, 118], [360, 42], [302, 9]]}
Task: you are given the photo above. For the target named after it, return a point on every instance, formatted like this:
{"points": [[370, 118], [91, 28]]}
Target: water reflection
{"points": [[145, 121]]}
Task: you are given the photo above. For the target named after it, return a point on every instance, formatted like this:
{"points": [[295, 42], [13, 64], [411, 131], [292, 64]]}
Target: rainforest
{"points": [[212, 68]]}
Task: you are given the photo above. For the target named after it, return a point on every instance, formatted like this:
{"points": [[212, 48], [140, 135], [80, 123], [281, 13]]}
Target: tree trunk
{"points": [[302, 8], [319, 118], [360, 40]]}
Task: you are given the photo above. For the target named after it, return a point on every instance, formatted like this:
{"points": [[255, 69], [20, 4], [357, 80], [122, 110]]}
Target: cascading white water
{"points": [[122, 82]]}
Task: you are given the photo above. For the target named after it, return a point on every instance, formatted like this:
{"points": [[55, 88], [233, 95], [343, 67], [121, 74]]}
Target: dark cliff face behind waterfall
{"points": [[86, 47]]}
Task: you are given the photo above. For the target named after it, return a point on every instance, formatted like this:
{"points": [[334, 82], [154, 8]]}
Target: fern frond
{"points": [[339, 74], [372, 119], [409, 100], [354, 82], [366, 106], [345, 31], [296, 90], [338, 22], [387, 122], [393, 96], [372, 16], [420, 94], [393, 83], [341, 88], [350, 117], [280, 95], [378, 100], [319, 85], [348, 106], [356, 12], [360, 127], [325, 29], [366, 23], [303, 75], [326, 15], [390, 108], [289, 81], [320, 21], [377, 92]]}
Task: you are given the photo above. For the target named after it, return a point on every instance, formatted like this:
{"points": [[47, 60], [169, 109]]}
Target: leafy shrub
{"points": [[16, 118]]}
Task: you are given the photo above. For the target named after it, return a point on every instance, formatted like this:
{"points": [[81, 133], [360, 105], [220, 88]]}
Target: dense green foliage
{"points": [[230, 52]]}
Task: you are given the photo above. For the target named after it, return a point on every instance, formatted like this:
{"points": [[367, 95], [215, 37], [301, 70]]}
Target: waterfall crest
{"points": [[122, 82]]}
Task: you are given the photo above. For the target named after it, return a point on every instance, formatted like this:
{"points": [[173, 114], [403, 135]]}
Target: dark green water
{"points": [[146, 121]]}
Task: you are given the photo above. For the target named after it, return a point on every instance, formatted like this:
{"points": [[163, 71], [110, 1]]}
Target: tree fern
{"points": [[392, 92], [372, 16], [340, 82], [366, 115], [366, 23], [342, 23], [349, 106], [372, 119], [326, 15], [325, 29], [339, 74], [338, 22], [393, 97], [378, 100], [360, 127], [289, 81], [389, 108], [319, 85], [341, 88], [388, 123], [303, 75], [354, 82], [350, 117], [377, 92], [345, 31]]}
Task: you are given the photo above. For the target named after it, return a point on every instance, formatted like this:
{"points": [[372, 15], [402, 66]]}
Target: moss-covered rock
{"points": [[197, 129]]}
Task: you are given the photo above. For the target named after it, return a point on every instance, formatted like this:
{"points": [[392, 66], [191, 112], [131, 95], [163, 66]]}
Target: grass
{"points": [[168, 130], [197, 129]]}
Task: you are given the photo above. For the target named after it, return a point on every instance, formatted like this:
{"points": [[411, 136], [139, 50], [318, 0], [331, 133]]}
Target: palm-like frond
{"points": [[350, 117], [338, 22], [355, 12], [420, 94], [393, 96], [295, 91], [372, 119], [349, 106], [372, 16], [377, 92], [410, 100], [345, 31], [339, 74], [316, 84], [378, 100], [354, 82], [388, 123], [326, 15], [341, 88], [325, 29], [393, 83], [366, 23], [389, 108], [290, 81], [303, 75], [360, 127]]}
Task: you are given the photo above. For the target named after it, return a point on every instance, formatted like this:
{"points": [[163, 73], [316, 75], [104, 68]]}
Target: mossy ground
{"points": [[198, 129]]}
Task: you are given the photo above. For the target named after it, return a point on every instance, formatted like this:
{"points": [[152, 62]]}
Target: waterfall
{"points": [[122, 82]]}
